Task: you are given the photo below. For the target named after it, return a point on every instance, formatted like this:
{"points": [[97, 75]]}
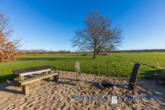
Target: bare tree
{"points": [[97, 34], [8, 48]]}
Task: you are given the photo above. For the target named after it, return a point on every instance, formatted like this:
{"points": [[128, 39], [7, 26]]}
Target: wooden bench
{"points": [[29, 71], [25, 83]]}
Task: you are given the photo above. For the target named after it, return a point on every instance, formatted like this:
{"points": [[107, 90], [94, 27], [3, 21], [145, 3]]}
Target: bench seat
{"points": [[25, 83]]}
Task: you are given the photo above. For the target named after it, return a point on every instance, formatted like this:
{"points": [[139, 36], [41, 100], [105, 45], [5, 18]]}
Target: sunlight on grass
{"points": [[121, 64]]}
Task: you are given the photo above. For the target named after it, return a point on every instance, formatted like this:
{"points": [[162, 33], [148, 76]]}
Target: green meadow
{"points": [[119, 64]]}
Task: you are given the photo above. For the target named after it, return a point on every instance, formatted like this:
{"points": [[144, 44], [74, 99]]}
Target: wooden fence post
{"points": [[78, 73], [133, 76]]}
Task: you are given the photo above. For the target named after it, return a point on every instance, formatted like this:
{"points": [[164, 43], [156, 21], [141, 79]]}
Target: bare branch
{"points": [[98, 34]]}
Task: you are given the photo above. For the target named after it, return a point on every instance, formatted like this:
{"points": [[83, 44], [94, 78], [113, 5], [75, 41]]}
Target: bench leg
{"points": [[20, 78], [48, 73], [55, 77], [25, 89], [45, 72]]}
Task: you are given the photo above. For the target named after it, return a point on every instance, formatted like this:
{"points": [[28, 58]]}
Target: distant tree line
{"points": [[137, 51], [42, 51]]}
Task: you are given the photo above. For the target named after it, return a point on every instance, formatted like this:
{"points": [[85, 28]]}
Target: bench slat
{"points": [[33, 72], [30, 80], [16, 72]]}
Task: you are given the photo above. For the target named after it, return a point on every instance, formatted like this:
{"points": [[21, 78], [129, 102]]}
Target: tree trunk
{"points": [[95, 50], [98, 52], [95, 54]]}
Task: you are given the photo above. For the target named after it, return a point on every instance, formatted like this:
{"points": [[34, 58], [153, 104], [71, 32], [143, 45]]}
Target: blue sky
{"points": [[50, 24]]}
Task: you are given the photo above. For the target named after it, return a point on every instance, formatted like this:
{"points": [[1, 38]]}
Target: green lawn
{"points": [[121, 64]]}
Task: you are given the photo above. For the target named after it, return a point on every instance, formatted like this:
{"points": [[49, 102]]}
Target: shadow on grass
{"points": [[6, 77], [137, 62], [150, 74], [49, 59]]}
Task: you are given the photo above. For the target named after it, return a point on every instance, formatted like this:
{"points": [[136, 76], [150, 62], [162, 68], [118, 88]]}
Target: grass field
{"points": [[121, 64]]}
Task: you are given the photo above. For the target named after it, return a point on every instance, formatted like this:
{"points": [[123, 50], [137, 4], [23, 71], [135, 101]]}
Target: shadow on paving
{"points": [[13, 83], [147, 91], [7, 87], [60, 82]]}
